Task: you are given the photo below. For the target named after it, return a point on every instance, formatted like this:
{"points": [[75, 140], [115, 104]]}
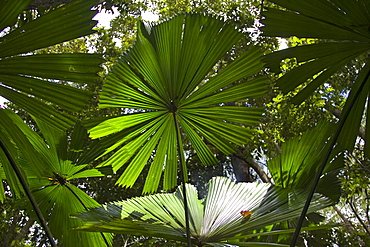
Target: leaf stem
{"points": [[183, 179], [341, 123], [29, 194]]}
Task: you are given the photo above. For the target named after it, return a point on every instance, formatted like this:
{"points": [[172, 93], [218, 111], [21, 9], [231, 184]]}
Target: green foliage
{"points": [[343, 28], [244, 15], [50, 164], [13, 224], [321, 69], [29, 81], [333, 42], [214, 219], [296, 166], [166, 78]]}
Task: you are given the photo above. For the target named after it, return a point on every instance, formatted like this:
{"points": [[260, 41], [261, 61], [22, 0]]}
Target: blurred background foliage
{"points": [[282, 121]]}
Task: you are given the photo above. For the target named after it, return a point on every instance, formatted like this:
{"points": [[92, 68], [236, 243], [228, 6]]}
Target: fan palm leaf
{"points": [[213, 220], [31, 81], [342, 28], [49, 166], [297, 164], [168, 77]]}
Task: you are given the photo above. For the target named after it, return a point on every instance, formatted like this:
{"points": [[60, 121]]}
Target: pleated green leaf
{"points": [[324, 28], [52, 200], [257, 244], [27, 142], [343, 26], [62, 24], [33, 81], [284, 231], [213, 220], [7, 171], [297, 164], [358, 97], [168, 75], [49, 170], [10, 11]]}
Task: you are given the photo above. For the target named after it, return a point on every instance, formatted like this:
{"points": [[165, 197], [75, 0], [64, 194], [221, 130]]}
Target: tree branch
{"points": [[354, 210], [345, 220], [348, 225], [255, 166]]}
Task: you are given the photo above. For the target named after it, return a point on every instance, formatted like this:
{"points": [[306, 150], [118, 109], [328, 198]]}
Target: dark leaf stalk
{"points": [[183, 178], [325, 160], [29, 195]]}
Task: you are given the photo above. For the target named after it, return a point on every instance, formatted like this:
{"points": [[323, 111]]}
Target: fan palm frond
{"points": [[228, 211], [169, 77], [342, 28], [49, 165], [31, 81], [298, 163]]}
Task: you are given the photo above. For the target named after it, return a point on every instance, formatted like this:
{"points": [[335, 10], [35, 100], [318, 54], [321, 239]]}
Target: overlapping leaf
{"points": [[297, 165], [169, 77], [213, 220], [32, 81], [48, 166], [18, 132], [343, 27]]}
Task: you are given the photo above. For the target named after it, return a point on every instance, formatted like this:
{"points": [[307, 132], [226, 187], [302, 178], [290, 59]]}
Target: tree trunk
{"points": [[242, 165], [241, 169]]}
